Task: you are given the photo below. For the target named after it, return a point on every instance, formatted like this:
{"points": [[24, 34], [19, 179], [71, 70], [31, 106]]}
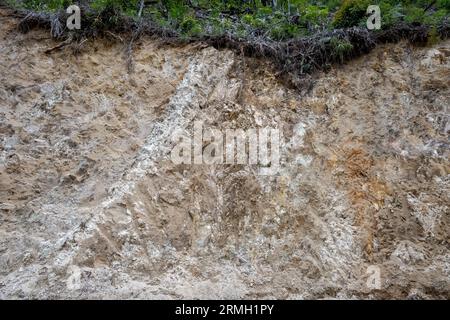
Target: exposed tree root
{"points": [[59, 46]]}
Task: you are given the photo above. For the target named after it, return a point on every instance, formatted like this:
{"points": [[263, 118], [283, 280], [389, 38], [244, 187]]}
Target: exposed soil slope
{"points": [[91, 206]]}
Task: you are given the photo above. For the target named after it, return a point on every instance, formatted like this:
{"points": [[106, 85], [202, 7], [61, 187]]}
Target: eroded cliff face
{"points": [[92, 205]]}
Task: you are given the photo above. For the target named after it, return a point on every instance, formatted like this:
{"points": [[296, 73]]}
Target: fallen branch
{"points": [[59, 46], [115, 36]]}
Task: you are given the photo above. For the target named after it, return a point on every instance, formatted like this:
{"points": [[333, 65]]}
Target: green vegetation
{"points": [[275, 20], [340, 48]]}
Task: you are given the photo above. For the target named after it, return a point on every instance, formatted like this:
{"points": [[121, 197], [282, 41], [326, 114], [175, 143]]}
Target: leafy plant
{"points": [[340, 48], [351, 13]]}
